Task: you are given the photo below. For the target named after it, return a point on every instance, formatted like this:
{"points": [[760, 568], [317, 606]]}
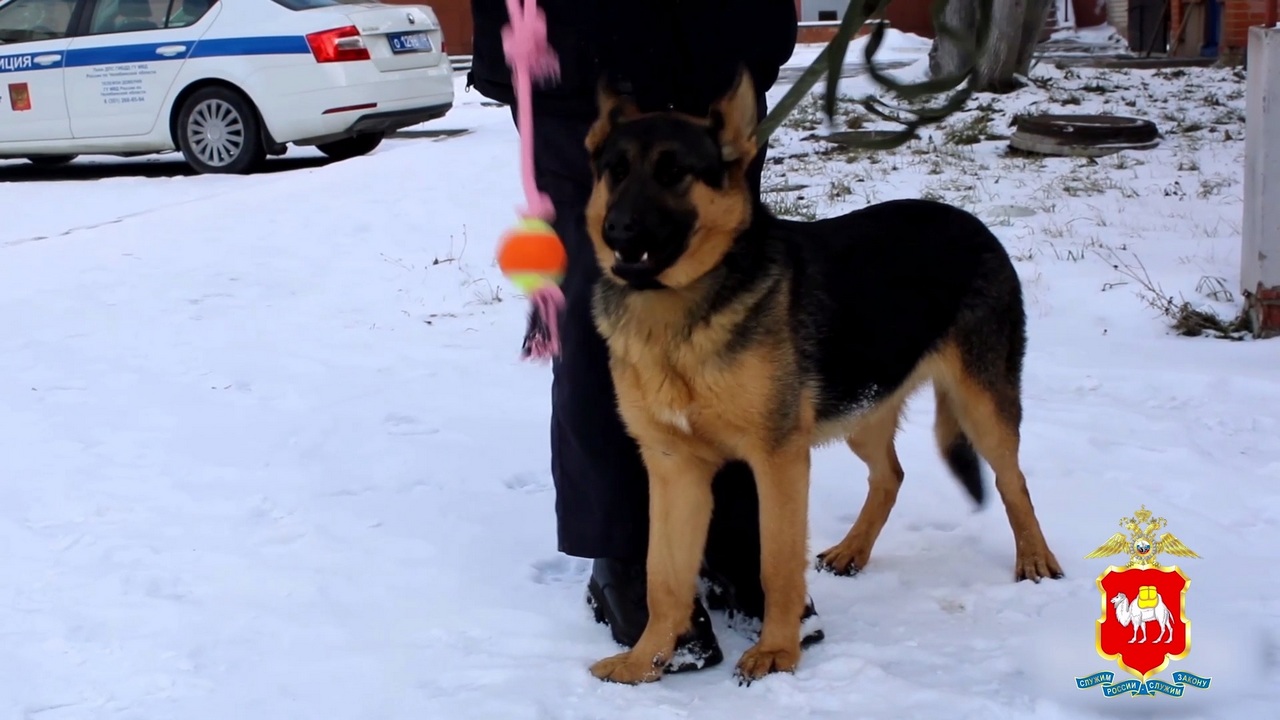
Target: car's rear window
{"points": [[312, 4]]}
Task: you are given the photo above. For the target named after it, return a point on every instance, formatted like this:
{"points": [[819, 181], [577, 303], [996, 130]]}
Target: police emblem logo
{"points": [[19, 97], [1144, 623]]}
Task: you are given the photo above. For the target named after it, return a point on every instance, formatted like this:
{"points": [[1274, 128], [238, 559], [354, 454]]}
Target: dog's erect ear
{"points": [[612, 109], [733, 117]]}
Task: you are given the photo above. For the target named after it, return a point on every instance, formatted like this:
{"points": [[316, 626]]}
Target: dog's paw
{"points": [[628, 668], [842, 560], [759, 661], [1036, 566]]}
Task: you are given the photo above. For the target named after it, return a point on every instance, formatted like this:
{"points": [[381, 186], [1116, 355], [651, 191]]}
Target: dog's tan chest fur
{"points": [[676, 379]]}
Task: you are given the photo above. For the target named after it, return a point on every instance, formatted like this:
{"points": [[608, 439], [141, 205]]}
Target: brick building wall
{"points": [[1237, 17], [455, 22]]}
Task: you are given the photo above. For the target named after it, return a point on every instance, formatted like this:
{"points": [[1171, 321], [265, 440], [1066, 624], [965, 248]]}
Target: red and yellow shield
{"points": [[1144, 621], [19, 97]]}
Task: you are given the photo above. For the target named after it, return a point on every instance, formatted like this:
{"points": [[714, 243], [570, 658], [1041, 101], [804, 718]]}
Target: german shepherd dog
{"points": [[736, 335]]}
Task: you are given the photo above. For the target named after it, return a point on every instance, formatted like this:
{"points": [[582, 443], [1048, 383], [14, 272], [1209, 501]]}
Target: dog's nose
{"points": [[622, 234], [618, 232]]}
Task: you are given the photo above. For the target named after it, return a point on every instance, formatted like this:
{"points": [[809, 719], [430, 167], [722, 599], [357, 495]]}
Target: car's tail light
{"points": [[342, 44]]}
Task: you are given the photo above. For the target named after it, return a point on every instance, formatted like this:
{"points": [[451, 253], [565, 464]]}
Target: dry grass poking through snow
{"points": [[1163, 224]]}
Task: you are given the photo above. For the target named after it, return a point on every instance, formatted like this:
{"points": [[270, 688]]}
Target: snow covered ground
{"points": [[267, 450]]}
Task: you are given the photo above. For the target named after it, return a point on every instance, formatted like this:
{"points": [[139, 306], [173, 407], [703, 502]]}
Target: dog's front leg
{"points": [[782, 480], [679, 514]]}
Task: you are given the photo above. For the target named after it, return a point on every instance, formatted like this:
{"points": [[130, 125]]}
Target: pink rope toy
{"points": [[531, 57]]}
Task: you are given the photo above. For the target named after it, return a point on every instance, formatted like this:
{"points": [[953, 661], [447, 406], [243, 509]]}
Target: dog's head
{"points": [[670, 192]]}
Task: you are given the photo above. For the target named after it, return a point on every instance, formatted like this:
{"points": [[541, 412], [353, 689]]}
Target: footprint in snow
{"points": [[211, 296], [933, 525], [561, 571], [401, 424], [529, 482]]}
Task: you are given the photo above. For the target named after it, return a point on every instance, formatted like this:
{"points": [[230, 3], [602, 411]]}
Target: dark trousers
{"points": [[602, 494]]}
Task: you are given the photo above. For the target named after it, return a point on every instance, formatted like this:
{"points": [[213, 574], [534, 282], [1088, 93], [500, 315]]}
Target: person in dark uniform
{"points": [[666, 54]]}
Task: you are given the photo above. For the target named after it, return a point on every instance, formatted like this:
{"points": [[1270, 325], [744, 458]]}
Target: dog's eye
{"points": [[668, 171], [619, 168]]}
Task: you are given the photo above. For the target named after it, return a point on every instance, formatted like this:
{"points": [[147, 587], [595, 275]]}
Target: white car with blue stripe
{"points": [[226, 82]]}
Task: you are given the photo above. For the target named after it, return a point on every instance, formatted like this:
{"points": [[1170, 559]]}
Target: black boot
{"points": [[743, 605], [617, 594]]}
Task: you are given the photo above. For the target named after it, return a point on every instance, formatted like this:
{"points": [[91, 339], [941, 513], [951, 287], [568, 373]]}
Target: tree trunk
{"points": [[1015, 31]]}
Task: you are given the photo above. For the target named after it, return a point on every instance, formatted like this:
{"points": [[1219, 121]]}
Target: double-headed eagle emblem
{"points": [[1142, 546]]}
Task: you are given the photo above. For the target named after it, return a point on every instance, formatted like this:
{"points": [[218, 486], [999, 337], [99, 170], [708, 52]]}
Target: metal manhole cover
{"points": [[1083, 135]]}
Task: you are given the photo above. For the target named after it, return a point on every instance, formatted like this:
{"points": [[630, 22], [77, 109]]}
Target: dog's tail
{"points": [[957, 451]]}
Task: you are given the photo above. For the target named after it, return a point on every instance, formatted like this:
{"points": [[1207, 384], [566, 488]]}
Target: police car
{"points": [[226, 82]]}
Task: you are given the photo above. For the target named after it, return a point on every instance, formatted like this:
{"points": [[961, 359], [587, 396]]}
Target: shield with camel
{"points": [[1144, 623]]}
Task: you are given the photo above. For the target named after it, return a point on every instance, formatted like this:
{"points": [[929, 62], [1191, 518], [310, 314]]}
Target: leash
{"points": [[524, 41], [531, 57], [830, 61]]}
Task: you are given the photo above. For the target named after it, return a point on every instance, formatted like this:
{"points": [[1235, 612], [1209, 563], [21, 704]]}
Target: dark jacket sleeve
{"points": [[681, 54], [571, 30]]}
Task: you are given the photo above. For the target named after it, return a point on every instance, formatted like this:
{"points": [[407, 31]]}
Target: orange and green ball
{"points": [[531, 256]]}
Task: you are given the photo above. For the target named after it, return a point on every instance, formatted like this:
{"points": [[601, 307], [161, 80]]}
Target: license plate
{"points": [[409, 42]]}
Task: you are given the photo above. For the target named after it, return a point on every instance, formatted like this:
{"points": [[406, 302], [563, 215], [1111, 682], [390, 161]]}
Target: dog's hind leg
{"points": [[872, 442], [986, 401], [680, 504], [782, 480]]}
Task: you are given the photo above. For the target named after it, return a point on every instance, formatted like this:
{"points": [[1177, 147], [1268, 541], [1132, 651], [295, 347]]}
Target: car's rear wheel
{"points": [[51, 160], [354, 146], [219, 132]]}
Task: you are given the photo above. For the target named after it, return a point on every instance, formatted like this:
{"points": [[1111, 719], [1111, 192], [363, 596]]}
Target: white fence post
{"points": [[1260, 249]]}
